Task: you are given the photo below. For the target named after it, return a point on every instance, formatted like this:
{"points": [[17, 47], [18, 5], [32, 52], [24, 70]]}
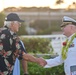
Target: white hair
{"points": [[7, 24]]}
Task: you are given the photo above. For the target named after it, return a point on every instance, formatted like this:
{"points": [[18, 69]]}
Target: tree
{"points": [[2, 17], [59, 2], [72, 6]]}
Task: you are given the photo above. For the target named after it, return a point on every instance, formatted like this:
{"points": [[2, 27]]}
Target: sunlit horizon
{"points": [[33, 3]]}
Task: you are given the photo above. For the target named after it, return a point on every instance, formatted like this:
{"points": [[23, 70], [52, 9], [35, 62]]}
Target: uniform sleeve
{"points": [[53, 62]]}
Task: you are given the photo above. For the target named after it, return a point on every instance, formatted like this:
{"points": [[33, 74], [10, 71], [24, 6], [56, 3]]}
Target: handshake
{"points": [[41, 62]]}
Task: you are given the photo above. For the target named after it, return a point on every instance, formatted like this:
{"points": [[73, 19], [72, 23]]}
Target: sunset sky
{"points": [[30, 3]]}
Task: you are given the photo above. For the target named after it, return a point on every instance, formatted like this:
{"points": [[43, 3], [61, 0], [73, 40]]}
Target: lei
{"points": [[65, 47]]}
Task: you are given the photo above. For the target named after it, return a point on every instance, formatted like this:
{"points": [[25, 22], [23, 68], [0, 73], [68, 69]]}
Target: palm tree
{"points": [[59, 2], [72, 6]]}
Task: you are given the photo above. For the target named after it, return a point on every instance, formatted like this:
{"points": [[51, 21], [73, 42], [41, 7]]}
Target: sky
{"points": [[30, 3]]}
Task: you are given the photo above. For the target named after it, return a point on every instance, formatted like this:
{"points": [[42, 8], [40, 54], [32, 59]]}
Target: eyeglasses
{"points": [[65, 25], [17, 22]]}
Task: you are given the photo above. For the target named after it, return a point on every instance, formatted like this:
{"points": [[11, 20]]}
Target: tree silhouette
{"points": [[72, 6], [59, 2], [2, 17]]}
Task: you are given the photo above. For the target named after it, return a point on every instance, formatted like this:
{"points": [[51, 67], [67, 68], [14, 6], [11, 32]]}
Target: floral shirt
{"points": [[9, 50]]}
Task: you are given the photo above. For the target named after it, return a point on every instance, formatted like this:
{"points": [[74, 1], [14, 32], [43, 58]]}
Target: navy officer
{"points": [[68, 54]]}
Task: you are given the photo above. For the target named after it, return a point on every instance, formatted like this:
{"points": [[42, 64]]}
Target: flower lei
{"points": [[65, 47]]}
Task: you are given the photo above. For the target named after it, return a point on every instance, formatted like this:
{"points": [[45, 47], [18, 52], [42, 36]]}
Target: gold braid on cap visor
{"points": [[65, 23]]}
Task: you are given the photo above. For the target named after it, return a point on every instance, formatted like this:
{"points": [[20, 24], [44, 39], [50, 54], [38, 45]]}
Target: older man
{"points": [[68, 55], [10, 49]]}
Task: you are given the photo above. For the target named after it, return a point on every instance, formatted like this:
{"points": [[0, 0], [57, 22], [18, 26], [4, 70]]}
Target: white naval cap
{"points": [[67, 20]]}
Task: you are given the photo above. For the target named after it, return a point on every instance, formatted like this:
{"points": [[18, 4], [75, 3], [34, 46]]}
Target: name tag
{"points": [[73, 70]]}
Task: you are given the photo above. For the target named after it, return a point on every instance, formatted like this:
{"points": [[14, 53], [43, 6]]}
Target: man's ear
{"points": [[12, 23]]}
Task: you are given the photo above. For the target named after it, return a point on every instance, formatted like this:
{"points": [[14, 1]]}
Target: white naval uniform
{"points": [[69, 61]]}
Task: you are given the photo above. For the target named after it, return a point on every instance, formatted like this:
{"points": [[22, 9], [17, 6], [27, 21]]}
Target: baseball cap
{"points": [[13, 17]]}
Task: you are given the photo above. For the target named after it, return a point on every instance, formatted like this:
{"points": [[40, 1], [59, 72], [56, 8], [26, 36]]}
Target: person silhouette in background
{"points": [[16, 70]]}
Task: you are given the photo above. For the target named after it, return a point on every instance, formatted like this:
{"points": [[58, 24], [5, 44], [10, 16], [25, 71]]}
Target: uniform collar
{"points": [[69, 38]]}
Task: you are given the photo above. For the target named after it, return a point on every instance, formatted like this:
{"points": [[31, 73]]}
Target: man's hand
{"points": [[41, 62]]}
